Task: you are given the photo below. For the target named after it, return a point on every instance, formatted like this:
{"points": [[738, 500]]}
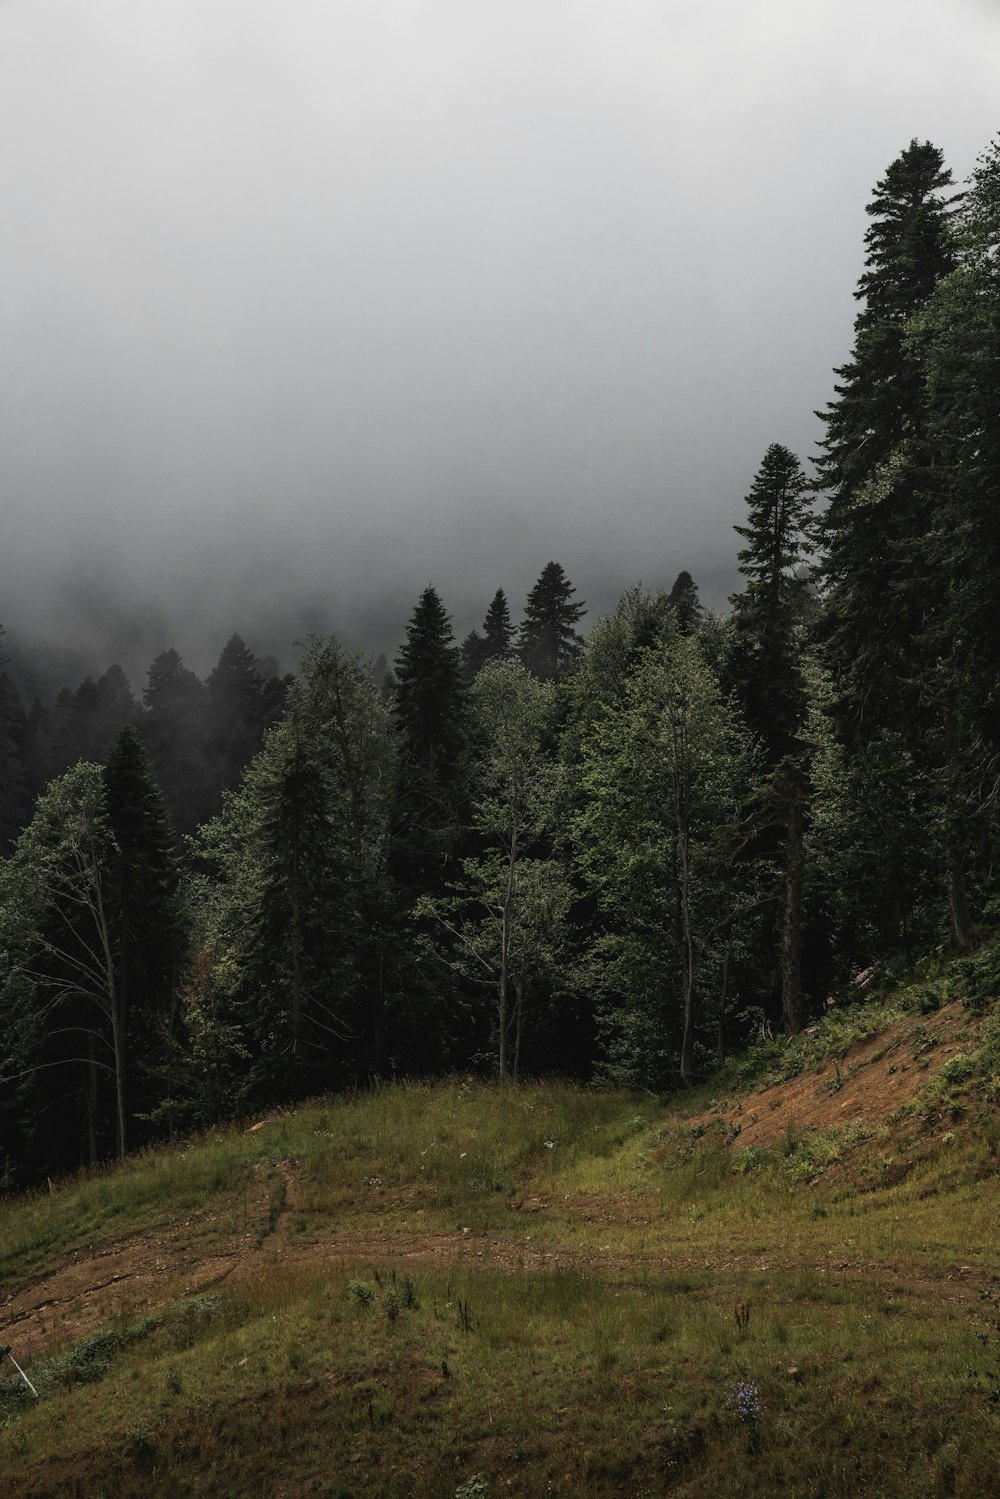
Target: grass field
{"points": [[461, 1290]]}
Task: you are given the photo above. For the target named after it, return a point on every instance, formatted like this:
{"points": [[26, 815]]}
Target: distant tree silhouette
{"points": [[548, 643]]}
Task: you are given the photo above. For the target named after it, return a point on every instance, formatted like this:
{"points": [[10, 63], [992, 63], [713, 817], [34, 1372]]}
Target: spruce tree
{"points": [[683, 600], [146, 928], [874, 462], [768, 613], [548, 643], [430, 695], [15, 787], [173, 730], [498, 630], [238, 709]]}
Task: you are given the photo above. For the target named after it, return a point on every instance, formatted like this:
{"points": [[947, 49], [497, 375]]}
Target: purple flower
{"points": [[746, 1402]]}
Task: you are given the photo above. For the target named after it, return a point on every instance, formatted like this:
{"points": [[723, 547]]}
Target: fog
{"points": [[305, 304]]}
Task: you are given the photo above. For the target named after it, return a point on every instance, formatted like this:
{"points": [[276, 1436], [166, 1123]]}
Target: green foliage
{"points": [[664, 773], [296, 862], [768, 614], [548, 643]]}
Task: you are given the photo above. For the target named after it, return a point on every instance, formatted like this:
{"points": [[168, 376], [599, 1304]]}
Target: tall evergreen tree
{"points": [[173, 729], [498, 630], [683, 600], [240, 704], [768, 613], [15, 769], [548, 643], [145, 919], [878, 574], [294, 916], [431, 720]]}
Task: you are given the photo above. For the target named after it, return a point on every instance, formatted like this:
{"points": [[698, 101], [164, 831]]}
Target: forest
{"points": [[614, 857]]}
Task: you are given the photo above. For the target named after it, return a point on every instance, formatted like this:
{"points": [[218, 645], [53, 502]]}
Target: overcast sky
{"points": [[306, 303]]}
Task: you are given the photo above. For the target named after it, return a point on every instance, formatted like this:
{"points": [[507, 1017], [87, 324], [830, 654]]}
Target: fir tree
{"points": [[15, 785], [548, 643], [767, 614], [238, 709], [173, 729], [498, 631], [683, 600], [146, 929], [873, 461]]}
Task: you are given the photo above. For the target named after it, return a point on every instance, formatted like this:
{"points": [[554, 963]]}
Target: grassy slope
{"points": [[462, 1291]]}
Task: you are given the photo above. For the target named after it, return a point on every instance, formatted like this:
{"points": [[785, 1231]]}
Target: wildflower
{"points": [[746, 1402]]}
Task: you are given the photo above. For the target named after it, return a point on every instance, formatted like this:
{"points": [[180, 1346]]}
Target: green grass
{"points": [[533, 1292]]}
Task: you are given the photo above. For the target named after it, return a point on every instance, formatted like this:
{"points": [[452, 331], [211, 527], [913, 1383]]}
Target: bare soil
{"points": [[872, 1081]]}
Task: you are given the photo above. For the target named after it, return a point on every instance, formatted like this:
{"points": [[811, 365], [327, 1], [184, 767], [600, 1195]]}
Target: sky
{"points": [[307, 303]]}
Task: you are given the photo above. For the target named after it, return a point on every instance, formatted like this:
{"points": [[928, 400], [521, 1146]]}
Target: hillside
{"points": [[792, 1285]]}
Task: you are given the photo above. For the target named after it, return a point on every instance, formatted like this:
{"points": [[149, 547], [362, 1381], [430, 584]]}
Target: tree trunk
{"points": [[506, 924], [518, 1027], [963, 928], [791, 938], [687, 947], [720, 1044]]}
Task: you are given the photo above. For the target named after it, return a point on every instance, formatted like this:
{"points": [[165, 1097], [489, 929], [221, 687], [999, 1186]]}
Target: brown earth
{"points": [[871, 1081], [195, 1255]]}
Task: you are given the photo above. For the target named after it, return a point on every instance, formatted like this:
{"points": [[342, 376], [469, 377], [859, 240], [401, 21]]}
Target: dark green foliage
{"points": [[146, 922], [15, 762], [683, 600], [496, 643], [85, 723], [768, 614], [432, 728], [295, 899], [874, 463], [239, 705], [498, 631], [173, 729], [548, 643]]}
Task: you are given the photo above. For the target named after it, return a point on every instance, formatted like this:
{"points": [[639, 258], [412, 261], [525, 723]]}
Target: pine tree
{"points": [[238, 709], [768, 613], [683, 600], [473, 653], [430, 707], [15, 787], [548, 643], [873, 462], [146, 927], [498, 631], [173, 730], [294, 915]]}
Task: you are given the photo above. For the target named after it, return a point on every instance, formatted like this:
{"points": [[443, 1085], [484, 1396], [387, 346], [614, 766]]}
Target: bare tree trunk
{"points": [[506, 929]]}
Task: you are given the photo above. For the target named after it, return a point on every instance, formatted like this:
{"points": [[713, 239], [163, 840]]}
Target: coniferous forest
{"points": [[615, 855]]}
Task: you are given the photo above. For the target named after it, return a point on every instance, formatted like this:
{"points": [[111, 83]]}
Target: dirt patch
{"points": [[870, 1081]]}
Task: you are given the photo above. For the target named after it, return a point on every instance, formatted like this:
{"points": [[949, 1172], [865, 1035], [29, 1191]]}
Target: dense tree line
{"points": [[614, 855]]}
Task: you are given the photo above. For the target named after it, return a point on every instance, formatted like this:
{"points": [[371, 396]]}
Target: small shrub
{"points": [[958, 1069], [751, 1158]]}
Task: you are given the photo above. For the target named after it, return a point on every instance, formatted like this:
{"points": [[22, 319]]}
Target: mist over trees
{"points": [[614, 855]]}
